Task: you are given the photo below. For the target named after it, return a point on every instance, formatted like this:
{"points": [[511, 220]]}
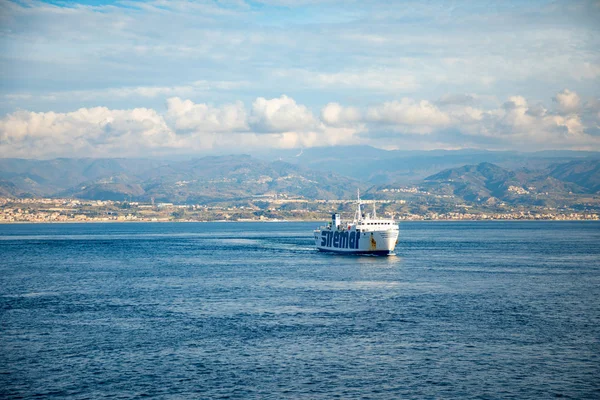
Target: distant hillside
{"points": [[585, 174], [489, 182], [9, 189], [47, 177], [199, 180], [472, 182], [379, 166], [335, 173]]}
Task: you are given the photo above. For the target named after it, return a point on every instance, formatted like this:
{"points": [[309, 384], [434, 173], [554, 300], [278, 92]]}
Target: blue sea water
{"points": [[251, 310]]}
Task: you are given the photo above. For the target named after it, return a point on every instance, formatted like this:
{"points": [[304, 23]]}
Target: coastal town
{"points": [[47, 210]]}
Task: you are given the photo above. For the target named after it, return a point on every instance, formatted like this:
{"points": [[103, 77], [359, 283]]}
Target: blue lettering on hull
{"points": [[343, 240], [340, 240]]}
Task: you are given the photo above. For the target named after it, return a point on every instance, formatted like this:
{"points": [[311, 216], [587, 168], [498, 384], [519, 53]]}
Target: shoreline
{"points": [[299, 220]]}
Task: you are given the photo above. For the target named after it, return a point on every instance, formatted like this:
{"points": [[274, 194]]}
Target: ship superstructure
{"points": [[366, 234]]}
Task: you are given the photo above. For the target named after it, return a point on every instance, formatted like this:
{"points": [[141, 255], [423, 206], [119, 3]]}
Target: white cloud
{"points": [[409, 116], [85, 132], [568, 101], [188, 116], [519, 126], [280, 115], [187, 127], [334, 114]]}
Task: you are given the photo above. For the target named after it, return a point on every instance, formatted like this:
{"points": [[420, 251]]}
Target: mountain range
{"points": [[378, 166], [319, 173], [206, 179], [489, 182]]}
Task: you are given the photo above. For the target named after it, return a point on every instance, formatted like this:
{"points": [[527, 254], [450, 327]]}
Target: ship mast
{"points": [[358, 215]]}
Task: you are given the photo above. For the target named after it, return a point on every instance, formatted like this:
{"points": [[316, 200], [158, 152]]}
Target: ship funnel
{"points": [[335, 220]]}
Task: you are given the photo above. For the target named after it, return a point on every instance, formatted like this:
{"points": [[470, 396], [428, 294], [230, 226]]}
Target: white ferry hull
{"points": [[352, 242]]}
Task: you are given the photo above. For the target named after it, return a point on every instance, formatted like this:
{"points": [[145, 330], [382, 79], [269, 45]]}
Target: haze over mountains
{"points": [[489, 182], [317, 173], [206, 179], [373, 165]]}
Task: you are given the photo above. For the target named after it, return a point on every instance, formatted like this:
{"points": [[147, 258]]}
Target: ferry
{"points": [[366, 234]]}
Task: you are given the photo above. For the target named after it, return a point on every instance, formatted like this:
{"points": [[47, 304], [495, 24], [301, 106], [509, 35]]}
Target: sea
{"points": [[463, 310]]}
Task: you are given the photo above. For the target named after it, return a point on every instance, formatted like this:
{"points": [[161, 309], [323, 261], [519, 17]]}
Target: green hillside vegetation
{"points": [[210, 179], [235, 178], [486, 182]]}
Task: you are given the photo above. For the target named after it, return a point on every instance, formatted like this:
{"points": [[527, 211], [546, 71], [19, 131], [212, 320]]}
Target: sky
{"points": [[163, 78]]}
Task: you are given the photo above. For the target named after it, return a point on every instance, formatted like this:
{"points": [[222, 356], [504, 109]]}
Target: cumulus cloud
{"points": [[87, 131], [336, 115], [280, 115], [409, 116], [516, 124], [187, 127], [568, 101], [520, 126], [188, 116]]}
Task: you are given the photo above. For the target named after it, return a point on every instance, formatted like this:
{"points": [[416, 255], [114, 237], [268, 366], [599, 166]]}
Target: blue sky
{"points": [[132, 78]]}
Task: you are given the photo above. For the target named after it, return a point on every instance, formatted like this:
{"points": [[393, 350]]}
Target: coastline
{"points": [[295, 220], [78, 211]]}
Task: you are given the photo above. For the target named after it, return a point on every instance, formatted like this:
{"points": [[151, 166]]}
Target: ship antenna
{"points": [[374, 210], [358, 212]]}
